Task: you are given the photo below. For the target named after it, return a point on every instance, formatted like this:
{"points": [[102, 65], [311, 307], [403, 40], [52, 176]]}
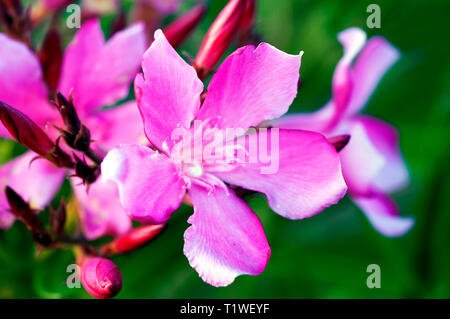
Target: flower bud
{"points": [[101, 278], [219, 37], [77, 135], [19, 207], [340, 141], [68, 113], [177, 31], [57, 219], [133, 240], [50, 56], [87, 173], [29, 134], [246, 35], [21, 210], [248, 17]]}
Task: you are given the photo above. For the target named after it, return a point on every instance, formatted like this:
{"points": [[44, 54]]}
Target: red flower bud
{"points": [[101, 278], [339, 142], [29, 134], [24, 213], [219, 37], [50, 56], [177, 31], [248, 17], [132, 240]]}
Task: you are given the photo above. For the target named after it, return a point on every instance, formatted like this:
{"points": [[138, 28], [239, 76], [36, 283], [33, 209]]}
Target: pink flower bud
{"points": [[339, 142], [132, 240], [219, 36], [177, 31], [101, 278], [29, 134]]}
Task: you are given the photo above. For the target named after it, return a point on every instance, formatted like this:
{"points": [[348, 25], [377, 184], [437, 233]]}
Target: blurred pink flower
{"points": [[372, 163], [165, 7], [226, 238], [99, 73]]}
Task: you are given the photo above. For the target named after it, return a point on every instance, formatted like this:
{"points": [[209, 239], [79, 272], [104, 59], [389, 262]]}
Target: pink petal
{"points": [[318, 121], [100, 73], [377, 56], [120, 125], [149, 185], [382, 213], [101, 211], [372, 161], [168, 93], [21, 84], [352, 39], [252, 85], [37, 183], [226, 238], [306, 179]]}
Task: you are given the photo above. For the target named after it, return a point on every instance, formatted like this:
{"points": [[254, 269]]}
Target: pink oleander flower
{"points": [[101, 278], [371, 163], [99, 74], [226, 238]]}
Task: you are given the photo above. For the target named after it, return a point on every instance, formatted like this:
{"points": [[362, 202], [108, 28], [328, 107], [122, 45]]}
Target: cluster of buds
{"points": [[29, 134], [100, 277]]}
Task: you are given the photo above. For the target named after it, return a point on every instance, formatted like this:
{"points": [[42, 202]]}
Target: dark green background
{"points": [[325, 256]]}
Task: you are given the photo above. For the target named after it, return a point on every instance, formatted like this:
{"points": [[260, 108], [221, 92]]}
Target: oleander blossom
{"points": [[225, 239], [372, 163], [98, 73]]}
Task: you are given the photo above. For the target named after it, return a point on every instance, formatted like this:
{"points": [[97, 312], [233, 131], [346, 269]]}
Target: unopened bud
{"points": [[133, 240], [248, 17], [57, 219], [177, 31], [50, 56], [76, 135], [339, 142], [219, 37], [24, 213], [19, 207], [29, 134], [87, 173], [68, 113], [101, 278]]}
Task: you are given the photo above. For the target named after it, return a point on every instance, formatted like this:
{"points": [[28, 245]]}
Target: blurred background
{"points": [[325, 256]]}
